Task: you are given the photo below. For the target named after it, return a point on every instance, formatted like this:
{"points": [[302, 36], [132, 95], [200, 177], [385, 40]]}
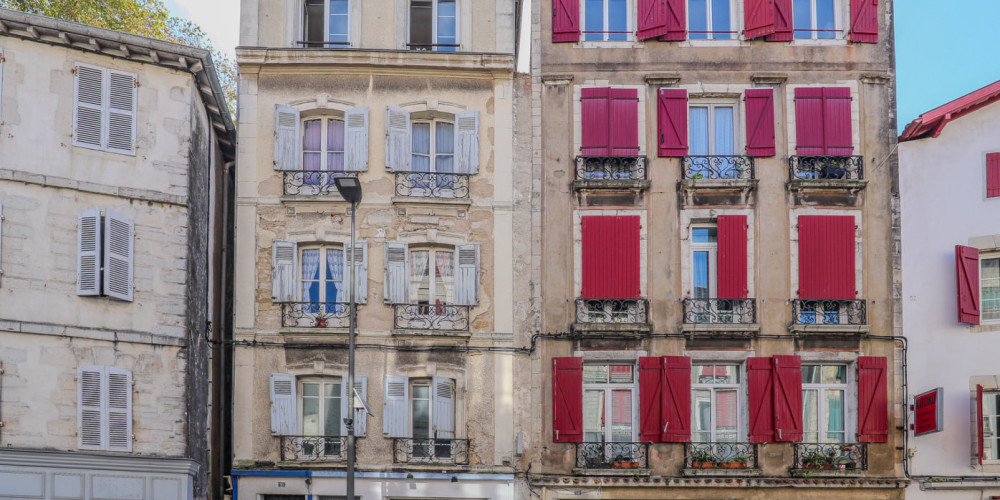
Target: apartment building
{"points": [[715, 251], [413, 98], [114, 185]]}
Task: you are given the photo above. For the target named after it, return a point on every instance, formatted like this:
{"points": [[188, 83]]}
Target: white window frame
{"points": [[609, 388], [733, 23], [432, 123], [713, 259], [324, 141], [996, 432], [711, 103], [322, 274], [840, 33], [434, 26], [850, 397], [982, 297], [432, 251], [630, 15], [301, 381], [741, 391], [106, 110]]}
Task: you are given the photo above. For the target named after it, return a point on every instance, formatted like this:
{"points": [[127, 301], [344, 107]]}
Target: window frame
{"points": [[608, 388], [711, 104], [734, 28], [630, 23], [432, 251], [325, 120], [322, 281], [850, 400], [322, 381], [995, 434], [434, 27], [433, 149], [712, 248], [742, 418], [983, 257], [325, 42], [839, 26]]}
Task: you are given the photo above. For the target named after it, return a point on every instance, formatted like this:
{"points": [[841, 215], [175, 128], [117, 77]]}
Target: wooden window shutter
{"points": [[864, 21], [88, 252], [567, 400], [284, 260], [967, 271], [360, 415], [395, 423], [837, 135], [826, 257], [595, 139], [467, 142], [672, 126], [119, 250], [782, 22], [119, 420], [760, 393], [676, 21], [89, 107], [873, 400], [980, 434], [398, 142], [992, 175], [623, 128], [443, 412], [91, 408], [759, 18], [809, 136], [595, 281], [787, 398], [652, 20], [565, 21], [356, 139], [760, 122], [610, 256], [122, 93], [360, 259], [284, 412], [287, 138], [650, 399], [732, 257], [676, 403], [397, 272], [467, 274]]}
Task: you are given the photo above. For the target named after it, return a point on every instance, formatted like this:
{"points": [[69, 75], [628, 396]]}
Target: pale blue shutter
{"points": [[360, 269], [284, 257], [283, 405], [119, 243], [397, 272], [91, 408], [121, 112], [394, 410], [360, 415], [467, 275], [443, 412], [467, 142], [356, 140], [287, 138], [119, 420], [89, 107], [88, 252], [398, 145]]}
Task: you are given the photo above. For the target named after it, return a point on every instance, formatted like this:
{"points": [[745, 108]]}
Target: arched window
{"points": [[323, 144], [433, 146]]}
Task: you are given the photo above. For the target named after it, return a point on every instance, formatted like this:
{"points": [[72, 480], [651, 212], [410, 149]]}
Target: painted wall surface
{"points": [[369, 485]]}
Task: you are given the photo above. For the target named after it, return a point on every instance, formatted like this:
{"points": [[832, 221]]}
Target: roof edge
{"points": [[932, 123]]}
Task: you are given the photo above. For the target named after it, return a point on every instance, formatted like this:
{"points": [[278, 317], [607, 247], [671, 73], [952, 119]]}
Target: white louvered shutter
{"points": [[121, 112], [287, 138], [398, 144], [360, 258], [119, 242], [89, 107], [119, 409], [467, 275], [444, 408], [394, 412], [397, 272], [284, 255], [356, 140], [360, 415], [88, 252], [91, 407], [283, 408], [467, 142]]}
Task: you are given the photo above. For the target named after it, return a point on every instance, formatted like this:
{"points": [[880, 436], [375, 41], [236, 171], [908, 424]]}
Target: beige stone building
{"points": [[414, 98], [113, 179], [714, 288]]}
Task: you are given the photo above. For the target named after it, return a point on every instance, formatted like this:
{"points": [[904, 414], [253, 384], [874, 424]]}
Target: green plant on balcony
{"points": [[702, 459]]}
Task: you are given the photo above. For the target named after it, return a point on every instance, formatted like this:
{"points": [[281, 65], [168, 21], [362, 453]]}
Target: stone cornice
{"points": [[341, 60], [563, 481], [97, 461]]}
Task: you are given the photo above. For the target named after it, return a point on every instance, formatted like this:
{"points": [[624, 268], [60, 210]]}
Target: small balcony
{"points": [[717, 179], [430, 451], [313, 448], [616, 173], [315, 314], [433, 47], [624, 456], [720, 459], [431, 318], [720, 315], [432, 185], [829, 315], [827, 175], [830, 459], [312, 182], [719, 168], [612, 315]]}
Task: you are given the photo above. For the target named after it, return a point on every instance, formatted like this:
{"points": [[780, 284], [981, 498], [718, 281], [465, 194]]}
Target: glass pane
{"points": [[701, 289], [338, 20], [834, 415], [802, 18], [724, 132], [618, 19], [444, 273], [421, 19], [595, 373], [447, 25], [990, 293], [593, 415], [310, 264], [621, 415], [422, 137], [698, 123], [445, 140], [697, 19], [314, 21], [991, 421], [310, 409], [825, 23], [331, 411], [593, 26], [704, 235], [311, 133], [716, 374], [810, 411], [720, 19], [836, 374], [726, 412], [335, 135], [621, 374], [422, 411], [701, 404], [420, 277], [810, 374]]}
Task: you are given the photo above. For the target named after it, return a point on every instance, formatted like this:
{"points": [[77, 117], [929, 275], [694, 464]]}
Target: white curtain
{"points": [[724, 131], [310, 271], [444, 160], [335, 276], [421, 147], [418, 270], [699, 131]]}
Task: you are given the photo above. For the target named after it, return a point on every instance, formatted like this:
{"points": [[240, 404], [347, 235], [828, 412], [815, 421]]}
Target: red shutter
{"points": [[992, 175], [967, 270], [652, 19], [864, 21], [760, 122], [594, 135], [732, 259], [760, 392], [782, 22], [650, 399], [624, 123], [873, 400], [837, 121], [567, 400], [565, 21], [826, 257], [676, 409], [672, 127], [787, 398], [809, 137], [610, 257], [676, 21], [759, 18], [980, 452]]}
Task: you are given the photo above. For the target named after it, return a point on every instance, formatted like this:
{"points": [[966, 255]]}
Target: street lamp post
{"points": [[350, 190]]}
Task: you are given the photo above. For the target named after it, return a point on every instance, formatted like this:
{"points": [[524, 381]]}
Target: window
{"points": [[422, 409], [316, 273], [710, 19], [420, 142], [322, 276], [314, 407], [990, 438], [715, 407], [704, 251], [607, 20], [989, 290], [104, 408], [322, 146], [337, 142], [434, 25], [608, 400], [718, 278], [433, 146], [105, 247], [815, 19], [321, 409], [104, 109], [993, 175], [824, 391], [327, 23], [432, 275]]}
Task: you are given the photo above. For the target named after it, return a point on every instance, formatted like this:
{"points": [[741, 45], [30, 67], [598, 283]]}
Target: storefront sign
{"points": [[928, 412]]}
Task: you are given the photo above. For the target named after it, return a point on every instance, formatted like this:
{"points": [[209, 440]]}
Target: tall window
{"points": [[322, 275], [990, 288], [607, 20], [710, 19], [715, 403], [704, 251], [815, 19], [824, 390], [430, 423], [434, 25], [991, 422], [432, 276], [322, 147], [433, 146], [713, 133], [608, 399], [326, 23], [321, 414]]}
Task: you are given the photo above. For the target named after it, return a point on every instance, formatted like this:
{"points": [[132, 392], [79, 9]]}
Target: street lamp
{"points": [[350, 190]]}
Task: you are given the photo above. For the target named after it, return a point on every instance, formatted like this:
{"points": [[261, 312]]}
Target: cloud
{"points": [[219, 18]]}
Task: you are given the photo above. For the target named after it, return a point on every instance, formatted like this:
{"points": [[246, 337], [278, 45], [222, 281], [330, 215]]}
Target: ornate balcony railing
{"points": [[826, 167], [713, 167], [447, 47], [611, 168], [322, 44], [721, 311], [629, 311], [313, 448], [841, 456], [432, 185], [311, 182], [720, 455], [430, 451], [829, 312], [431, 317], [315, 314], [612, 455]]}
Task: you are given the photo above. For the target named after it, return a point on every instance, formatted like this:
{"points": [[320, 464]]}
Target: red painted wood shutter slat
{"points": [[967, 271], [627, 279], [826, 257], [980, 447], [759, 18], [610, 257], [565, 21], [873, 400], [809, 138], [864, 21], [760, 393], [672, 126], [676, 21], [567, 400], [594, 134], [676, 409], [787, 398], [732, 257], [837, 121], [593, 231], [992, 175], [650, 399], [652, 19], [760, 122], [782, 22], [624, 123]]}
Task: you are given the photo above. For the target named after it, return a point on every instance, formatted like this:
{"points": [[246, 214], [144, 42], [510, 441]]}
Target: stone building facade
{"points": [[113, 188]]}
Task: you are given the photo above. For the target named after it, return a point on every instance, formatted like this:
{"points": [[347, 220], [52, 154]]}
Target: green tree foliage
{"points": [[148, 18]]}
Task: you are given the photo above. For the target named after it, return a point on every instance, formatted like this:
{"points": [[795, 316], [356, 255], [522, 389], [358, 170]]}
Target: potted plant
{"points": [[702, 459], [320, 322], [814, 460], [739, 462]]}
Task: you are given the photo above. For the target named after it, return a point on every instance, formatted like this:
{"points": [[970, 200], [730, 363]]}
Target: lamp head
{"points": [[349, 188]]}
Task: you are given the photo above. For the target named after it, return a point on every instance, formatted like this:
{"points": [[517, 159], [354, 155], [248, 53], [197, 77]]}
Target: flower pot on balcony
{"points": [[703, 465], [734, 465], [320, 322]]}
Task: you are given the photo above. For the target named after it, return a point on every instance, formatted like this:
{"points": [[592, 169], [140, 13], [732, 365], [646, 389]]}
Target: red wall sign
{"points": [[928, 412]]}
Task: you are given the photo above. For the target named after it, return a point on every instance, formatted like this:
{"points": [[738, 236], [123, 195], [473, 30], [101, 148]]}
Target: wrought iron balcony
{"points": [[628, 311], [612, 455], [430, 451], [720, 311], [311, 182], [426, 47], [826, 167], [313, 448], [315, 314], [431, 317], [834, 456], [720, 455], [432, 185], [718, 167], [610, 168], [829, 312]]}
